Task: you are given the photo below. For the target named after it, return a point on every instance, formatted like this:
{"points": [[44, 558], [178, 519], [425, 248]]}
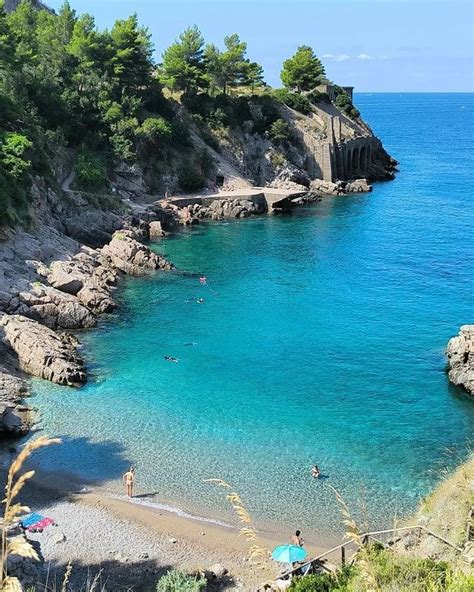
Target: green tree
{"points": [[303, 71], [227, 68], [131, 57], [253, 75], [279, 131], [183, 65]]}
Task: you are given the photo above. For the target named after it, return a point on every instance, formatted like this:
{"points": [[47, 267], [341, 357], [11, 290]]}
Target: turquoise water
{"points": [[321, 341]]}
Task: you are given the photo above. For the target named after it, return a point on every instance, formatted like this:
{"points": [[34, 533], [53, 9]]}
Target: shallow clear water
{"points": [[324, 344]]}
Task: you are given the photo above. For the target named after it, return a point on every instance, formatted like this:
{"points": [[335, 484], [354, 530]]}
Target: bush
{"points": [[279, 132], [344, 103], [318, 97], [180, 133], [153, 131], [189, 178], [91, 172], [179, 581], [295, 101], [12, 149]]}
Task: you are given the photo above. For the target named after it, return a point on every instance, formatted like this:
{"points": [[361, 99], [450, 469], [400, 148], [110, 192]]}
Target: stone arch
{"points": [[348, 166], [363, 159], [355, 159]]}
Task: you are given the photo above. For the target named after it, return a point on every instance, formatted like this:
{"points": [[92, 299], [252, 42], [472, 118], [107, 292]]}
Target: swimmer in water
{"points": [[171, 359], [200, 300], [190, 343], [315, 472]]}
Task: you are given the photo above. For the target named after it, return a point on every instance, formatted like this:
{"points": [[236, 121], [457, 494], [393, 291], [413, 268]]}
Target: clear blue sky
{"points": [[375, 45]]}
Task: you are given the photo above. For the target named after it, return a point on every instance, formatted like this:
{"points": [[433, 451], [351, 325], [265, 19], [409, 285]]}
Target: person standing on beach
{"points": [[297, 539], [129, 479]]}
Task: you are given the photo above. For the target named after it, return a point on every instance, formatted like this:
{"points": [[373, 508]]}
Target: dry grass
{"points": [[353, 534], [13, 511], [258, 554]]}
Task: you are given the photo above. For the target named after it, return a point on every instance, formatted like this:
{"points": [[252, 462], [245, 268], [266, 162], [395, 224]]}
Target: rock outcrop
{"points": [[132, 257], [42, 352], [460, 353], [340, 187], [55, 309], [15, 417]]}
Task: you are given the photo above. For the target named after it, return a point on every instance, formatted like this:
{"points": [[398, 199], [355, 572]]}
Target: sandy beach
{"points": [[128, 546]]}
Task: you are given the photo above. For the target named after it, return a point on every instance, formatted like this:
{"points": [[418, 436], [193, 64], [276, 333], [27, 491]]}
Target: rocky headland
{"points": [[460, 354]]}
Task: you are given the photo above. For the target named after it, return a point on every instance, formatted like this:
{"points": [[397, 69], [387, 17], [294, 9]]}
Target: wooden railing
{"points": [[366, 537]]}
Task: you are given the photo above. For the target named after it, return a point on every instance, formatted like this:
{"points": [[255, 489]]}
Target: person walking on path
{"points": [[129, 479]]}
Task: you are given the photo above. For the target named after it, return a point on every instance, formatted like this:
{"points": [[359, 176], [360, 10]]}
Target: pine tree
{"points": [[183, 66], [227, 68], [303, 71]]}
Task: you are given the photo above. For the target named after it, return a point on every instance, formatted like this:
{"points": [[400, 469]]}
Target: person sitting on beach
{"points": [[129, 479], [171, 359], [315, 472], [297, 539]]}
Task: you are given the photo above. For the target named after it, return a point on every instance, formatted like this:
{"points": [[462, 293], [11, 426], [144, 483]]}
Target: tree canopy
{"points": [[183, 66], [303, 71], [228, 68]]}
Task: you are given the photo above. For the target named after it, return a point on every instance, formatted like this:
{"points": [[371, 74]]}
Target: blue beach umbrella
{"points": [[288, 553]]}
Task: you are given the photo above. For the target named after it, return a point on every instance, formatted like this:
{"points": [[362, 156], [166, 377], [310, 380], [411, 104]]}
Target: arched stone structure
{"points": [[355, 160], [363, 159]]}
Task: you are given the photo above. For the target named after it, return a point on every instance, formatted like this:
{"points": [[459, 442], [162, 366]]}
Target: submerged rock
{"points": [[42, 352], [460, 353]]}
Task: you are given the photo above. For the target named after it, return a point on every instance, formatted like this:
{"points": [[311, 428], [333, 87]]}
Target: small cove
{"points": [[321, 341]]}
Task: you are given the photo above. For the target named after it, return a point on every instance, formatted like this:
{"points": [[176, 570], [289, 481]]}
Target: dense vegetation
{"points": [[64, 83], [391, 573]]}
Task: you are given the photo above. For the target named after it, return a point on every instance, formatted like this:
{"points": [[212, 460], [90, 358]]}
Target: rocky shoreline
{"points": [[460, 354], [52, 284]]}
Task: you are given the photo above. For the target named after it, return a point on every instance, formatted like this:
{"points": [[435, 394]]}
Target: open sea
{"points": [[320, 340]]}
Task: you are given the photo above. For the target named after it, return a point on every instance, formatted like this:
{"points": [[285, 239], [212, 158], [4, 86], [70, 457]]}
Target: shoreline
{"points": [[126, 533]]}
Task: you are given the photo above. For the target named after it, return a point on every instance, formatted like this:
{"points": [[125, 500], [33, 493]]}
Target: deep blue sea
{"points": [[320, 340]]}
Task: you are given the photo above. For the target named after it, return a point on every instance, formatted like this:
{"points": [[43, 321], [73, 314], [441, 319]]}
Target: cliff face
{"points": [[460, 353], [11, 5], [325, 151]]}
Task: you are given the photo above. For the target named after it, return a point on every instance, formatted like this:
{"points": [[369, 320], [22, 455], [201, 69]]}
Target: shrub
{"points": [[91, 172], [190, 178], [279, 131], [295, 101], [12, 149], [219, 118], [154, 129], [123, 138], [344, 103], [318, 97], [153, 133], [179, 581], [180, 133]]}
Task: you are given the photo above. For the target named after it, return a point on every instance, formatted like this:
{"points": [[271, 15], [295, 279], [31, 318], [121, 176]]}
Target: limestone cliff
{"points": [[460, 353], [326, 150]]}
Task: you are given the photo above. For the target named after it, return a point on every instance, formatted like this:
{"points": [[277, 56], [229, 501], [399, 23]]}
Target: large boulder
{"points": [[42, 352], [132, 257], [460, 353], [15, 417], [56, 309], [84, 277]]}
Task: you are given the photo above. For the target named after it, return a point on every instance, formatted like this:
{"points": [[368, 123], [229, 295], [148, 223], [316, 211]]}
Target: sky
{"points": [[373, 45]]}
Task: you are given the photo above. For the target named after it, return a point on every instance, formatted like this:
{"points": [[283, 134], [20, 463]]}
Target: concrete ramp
{"points": [[269, 197]]}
